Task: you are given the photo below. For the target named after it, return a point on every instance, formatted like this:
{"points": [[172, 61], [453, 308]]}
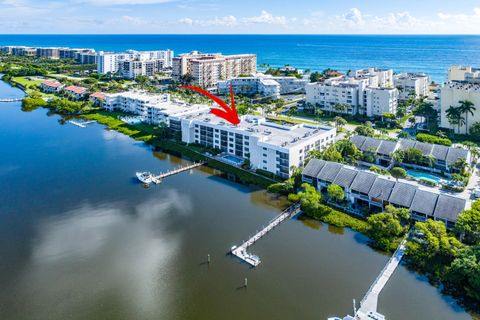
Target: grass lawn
{"points": [[24, 81], [291, 120]]}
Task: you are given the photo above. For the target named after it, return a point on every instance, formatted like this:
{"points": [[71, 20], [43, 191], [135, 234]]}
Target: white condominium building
{"points": [[209, 68], [384, 77], [267, 145], [451, 93], [463, 73], [133, 63], [152, 108], [82, 56], [264, 85], [378, 101], [352, 95], [330, 94], [409, 84]]}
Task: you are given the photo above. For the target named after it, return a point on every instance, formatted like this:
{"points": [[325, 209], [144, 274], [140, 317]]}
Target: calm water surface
{"points": [[80, 239]]}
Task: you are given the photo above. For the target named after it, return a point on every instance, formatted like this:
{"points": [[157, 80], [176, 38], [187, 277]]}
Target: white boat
{"points": [[145, 177]]}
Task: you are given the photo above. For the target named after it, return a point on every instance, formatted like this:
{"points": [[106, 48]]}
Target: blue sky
{"points": [[241, 16]]}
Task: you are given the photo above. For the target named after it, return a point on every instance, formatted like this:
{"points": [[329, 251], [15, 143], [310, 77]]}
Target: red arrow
{"points": [[229, 114]]}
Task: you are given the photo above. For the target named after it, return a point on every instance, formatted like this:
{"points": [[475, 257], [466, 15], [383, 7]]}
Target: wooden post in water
{"points": [[246, 282], [208, 258]]}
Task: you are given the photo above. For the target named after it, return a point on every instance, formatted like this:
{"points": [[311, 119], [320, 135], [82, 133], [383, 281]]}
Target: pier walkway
{"points": [[161, 176], [81, 124], [253, 260], [11, 100], [368, 305]]}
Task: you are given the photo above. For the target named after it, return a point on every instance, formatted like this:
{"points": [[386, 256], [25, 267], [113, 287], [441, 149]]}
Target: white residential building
{"points": [[267, 145], [352, 95], [209, 68], [463, 73], [51, 86], [264, 85], [152, 108], [131, 63], [409, 84], [384, 77], [378, 101], [76, 93], [451, 93]]}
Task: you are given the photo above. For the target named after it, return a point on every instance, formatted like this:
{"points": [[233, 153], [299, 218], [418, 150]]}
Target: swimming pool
{"points": [[237, 161], [424, 175]]}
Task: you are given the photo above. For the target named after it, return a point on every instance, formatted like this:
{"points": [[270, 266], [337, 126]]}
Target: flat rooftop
{"points": [[267, 131]]}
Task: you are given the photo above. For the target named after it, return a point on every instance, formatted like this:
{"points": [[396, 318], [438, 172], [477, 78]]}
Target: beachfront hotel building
{"points": [[366, 191], [264, 85], [209, 68], [267, 145], [359, 94], [131, 63], [411, 84]]}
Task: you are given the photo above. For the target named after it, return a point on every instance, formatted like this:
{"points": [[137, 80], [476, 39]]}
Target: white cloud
{"points": [[266, 18], [353, 17], [231, 21], [135, 20], [227, 21], [461, 17]]}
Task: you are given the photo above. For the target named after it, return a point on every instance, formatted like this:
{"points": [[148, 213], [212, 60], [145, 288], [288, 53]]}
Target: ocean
{"points": [[416, 53]]}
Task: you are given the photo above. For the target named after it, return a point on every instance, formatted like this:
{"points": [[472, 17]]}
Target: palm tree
{"points": [[461, 164], [340, 107], [466, 107], [340, 122], [453, 116]]}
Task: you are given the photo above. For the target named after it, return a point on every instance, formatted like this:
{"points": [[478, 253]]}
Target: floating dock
{"points": [[11, 100], [81, 124], [253, 260]]}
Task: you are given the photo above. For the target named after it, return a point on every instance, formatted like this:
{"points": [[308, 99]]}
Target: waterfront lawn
{"points": [[26, 81], [137, 132], [342, 220]]}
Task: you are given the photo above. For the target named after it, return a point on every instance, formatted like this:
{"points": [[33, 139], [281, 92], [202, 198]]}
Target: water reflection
{"points": [[105, 254]]}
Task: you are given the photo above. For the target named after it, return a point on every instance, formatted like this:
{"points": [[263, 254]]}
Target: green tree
{"points": [[402, 214], [398, 173], [434, 250], [340, 122], [309, 199], [365, 131], [468, 226], [464, 272], [475, 130], [466, 107], [384, 230], [142, 81], [335, 192]]}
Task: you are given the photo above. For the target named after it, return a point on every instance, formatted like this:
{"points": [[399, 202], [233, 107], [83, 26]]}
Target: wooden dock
{"points": [[11, 100], [368, 305], [158, 178], [253, 260], [81, 124]]}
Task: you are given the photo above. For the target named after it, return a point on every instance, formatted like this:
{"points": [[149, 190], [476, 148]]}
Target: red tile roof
{"points": [[98, 95], [75, 89], [52, 83]]}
